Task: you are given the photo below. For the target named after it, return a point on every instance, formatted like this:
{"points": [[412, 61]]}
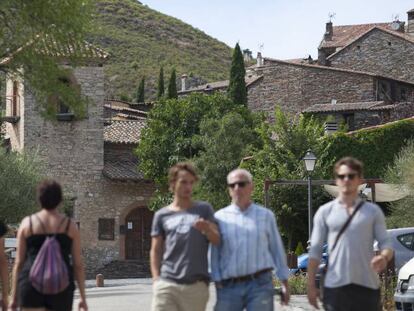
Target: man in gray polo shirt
{"points": [[351, 282], [181, 233]]}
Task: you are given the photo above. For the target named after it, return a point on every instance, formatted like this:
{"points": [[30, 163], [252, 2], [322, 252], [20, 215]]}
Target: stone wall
{"points": [[381, 53], [297, 87], [73, 154]]}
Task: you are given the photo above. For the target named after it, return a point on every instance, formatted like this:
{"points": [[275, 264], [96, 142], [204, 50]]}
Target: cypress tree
{"points": [[141, 91], [160, 92], [237, 91], [172, 86]]}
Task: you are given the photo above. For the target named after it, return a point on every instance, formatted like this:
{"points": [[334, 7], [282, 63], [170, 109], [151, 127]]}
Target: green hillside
{"points": [[140, 40]]}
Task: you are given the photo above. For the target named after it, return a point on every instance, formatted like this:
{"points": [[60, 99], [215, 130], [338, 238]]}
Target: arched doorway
{"points": [[138, 233]]}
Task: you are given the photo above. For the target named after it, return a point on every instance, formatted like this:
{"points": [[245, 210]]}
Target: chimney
{"points": [[328, 32], [333, 101], [183, 82], [247, 55], [259, 59], [410, 22]]}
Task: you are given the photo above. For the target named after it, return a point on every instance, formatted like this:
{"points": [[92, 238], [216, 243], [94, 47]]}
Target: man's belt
{"points": [[245, 278]]}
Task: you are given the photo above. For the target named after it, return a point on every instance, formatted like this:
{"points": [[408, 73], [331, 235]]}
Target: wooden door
{"points": [[138, 233]]}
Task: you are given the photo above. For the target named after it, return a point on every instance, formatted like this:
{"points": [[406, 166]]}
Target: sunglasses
{"points": [[241, 184], [343, 176]]}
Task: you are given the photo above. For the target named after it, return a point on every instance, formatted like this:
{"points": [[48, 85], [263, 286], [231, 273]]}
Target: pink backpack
{"points": [[49, 274]]}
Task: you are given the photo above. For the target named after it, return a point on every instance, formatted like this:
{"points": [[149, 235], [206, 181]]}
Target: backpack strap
{"points": [[41, 223]]}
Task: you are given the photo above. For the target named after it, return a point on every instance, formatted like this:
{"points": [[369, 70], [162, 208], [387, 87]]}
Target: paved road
{"points": [[136, 294]]}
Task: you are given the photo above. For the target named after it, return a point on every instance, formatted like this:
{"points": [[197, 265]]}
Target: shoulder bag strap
{"points": [[347, 223]]}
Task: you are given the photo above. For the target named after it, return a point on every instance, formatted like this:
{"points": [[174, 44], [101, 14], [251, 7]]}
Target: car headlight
{"points": [[411, 283]]}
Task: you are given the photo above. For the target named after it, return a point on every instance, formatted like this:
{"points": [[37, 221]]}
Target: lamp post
{"points": [[310, 160]]}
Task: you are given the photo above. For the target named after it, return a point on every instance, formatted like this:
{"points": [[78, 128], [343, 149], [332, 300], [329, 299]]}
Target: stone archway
{"points": [[136, 238]]}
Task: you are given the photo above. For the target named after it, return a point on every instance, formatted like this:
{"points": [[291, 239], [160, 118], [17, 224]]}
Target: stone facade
{"points": [[74, 154], [295, 87], [380, 52]]}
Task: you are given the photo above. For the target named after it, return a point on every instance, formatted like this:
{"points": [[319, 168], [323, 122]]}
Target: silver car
{"points": [[403, 245]]}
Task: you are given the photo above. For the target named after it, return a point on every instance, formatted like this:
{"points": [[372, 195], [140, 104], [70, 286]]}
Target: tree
{"points": [[285, 142], [226, 141], [20, 173], [141, 91], [172, 86], [29, 33], [401, 172], [161, 89], [237, 86]]}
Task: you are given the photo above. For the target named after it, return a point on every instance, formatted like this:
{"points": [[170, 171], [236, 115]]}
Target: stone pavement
{"points": [[136, 294]]}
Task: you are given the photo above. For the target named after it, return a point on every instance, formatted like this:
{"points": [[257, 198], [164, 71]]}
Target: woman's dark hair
{"points": [[49, 194]]}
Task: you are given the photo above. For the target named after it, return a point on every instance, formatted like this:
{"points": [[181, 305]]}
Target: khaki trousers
{"points": [[169, 296]]}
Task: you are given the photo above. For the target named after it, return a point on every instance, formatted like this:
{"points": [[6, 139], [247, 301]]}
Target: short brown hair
{"points": [[49, 194], [352, 163], [181, 166]]}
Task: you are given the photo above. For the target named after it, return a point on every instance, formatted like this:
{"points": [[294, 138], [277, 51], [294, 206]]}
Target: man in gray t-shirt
{"points": [[181, 233], [184, 260], [351, 281]]}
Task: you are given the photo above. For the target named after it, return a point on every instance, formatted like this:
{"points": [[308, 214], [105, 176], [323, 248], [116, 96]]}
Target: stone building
{"points": [[366, 70], [93, 159]]}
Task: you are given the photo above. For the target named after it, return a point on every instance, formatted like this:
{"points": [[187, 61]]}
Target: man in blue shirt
{"points": [[250, 248]]}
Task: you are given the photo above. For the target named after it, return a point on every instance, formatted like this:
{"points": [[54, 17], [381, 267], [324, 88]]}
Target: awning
{"points": [[383, 192]]}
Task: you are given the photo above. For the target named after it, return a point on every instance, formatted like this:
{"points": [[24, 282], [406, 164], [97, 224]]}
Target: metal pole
{"points": [[309, 206]]}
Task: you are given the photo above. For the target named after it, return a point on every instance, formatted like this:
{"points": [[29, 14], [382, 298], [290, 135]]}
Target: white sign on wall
{"points": [[129, 225]]}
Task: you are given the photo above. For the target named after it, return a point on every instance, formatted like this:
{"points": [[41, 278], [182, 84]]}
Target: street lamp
{"points": [[310, 160]]}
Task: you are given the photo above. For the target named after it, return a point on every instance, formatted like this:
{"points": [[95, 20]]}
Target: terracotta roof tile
{"points": [[341, 107], [394, 33], [345, 34], [124, 132], [272, 61], [122, 170]]}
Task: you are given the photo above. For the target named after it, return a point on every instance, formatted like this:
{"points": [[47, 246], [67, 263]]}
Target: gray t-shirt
{"points": [[185, 254], [350, 262]]}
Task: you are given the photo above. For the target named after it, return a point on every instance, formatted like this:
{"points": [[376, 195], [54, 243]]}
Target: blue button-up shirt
{"points": [[250, 242]]}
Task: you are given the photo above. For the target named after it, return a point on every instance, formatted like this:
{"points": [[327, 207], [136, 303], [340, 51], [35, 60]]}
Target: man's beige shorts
{"points": [[169, 296]]}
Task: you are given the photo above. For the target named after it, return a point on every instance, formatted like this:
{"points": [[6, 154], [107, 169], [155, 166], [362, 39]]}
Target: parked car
{"points": [[303, 262], [404, 294], [403, 245]]}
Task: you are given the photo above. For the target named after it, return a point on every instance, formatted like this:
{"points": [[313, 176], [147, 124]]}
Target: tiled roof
{"points": [[272, 60], [345, 34], [46, 45], [394, 33], [219, 85], [122, 170], [341, 107], [124, 132], [127, 110], [380, 125]]}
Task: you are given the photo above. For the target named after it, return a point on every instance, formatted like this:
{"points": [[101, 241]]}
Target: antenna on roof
{"points": [[331, 16], [395, 18], [261, 46]]}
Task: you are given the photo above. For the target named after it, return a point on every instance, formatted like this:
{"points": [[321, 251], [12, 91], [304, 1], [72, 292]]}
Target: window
{"points": [[106, 229], [15, 100], [63, 113], [407, 240]]}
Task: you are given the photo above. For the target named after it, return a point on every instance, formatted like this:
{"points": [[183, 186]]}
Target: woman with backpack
{"points": [[48, 257]]}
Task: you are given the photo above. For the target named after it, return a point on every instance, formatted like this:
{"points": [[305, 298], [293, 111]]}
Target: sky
{"points": [[280, 29]]}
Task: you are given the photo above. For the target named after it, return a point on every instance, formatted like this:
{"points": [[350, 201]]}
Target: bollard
{"points": [[99, 280]]}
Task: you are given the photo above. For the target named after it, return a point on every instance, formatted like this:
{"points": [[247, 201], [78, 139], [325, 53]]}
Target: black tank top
{"points": [[35, 241]]}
